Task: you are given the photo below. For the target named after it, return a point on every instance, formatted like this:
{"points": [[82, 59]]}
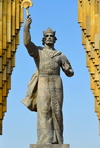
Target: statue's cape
{"points": [[30, 100]]}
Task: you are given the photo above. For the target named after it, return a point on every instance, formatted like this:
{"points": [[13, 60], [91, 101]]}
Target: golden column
{"points": [[89, 19], [11, 17]]}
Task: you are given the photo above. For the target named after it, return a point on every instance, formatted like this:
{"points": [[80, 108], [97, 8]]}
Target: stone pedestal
{"points": [[49, 146]]}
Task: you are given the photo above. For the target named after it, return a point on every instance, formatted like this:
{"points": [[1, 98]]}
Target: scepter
{"points": [[26, 4]]}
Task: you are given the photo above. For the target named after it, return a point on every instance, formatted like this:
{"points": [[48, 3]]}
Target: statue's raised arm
{"points": [[31, 47]]}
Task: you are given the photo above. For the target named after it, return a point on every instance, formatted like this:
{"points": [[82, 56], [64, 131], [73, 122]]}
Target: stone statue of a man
{"points": [[45, 90]]}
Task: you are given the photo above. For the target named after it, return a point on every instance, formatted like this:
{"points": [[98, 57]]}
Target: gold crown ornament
{"points": [[26, 4]]}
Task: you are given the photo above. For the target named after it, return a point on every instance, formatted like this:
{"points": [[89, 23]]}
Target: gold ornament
{"points": [[26, 4]]}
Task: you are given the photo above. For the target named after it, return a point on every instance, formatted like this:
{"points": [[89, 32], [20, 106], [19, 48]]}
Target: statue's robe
{"points": [[45, 94]]}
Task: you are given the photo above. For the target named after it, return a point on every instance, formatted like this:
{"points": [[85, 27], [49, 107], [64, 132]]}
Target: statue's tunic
{"points": [[50, 94]]}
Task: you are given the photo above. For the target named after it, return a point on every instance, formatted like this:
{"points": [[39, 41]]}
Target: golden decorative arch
{"points": [[89, 19], [11, 17]]}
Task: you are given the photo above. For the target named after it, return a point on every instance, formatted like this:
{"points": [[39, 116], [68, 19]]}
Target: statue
{"points": [[45, 90]]}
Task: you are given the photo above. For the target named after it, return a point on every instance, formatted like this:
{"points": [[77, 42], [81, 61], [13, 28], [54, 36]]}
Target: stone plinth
{"points": [[49, 146]]}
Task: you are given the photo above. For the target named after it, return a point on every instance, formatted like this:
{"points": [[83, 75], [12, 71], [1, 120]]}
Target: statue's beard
{"points": [[49, 42]]}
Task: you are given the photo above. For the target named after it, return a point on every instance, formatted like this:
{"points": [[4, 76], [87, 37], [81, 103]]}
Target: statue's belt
{"points": [[49, 73]]}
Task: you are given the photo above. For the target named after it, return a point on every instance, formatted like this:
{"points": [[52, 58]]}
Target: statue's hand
{"points": [[28, 22]]}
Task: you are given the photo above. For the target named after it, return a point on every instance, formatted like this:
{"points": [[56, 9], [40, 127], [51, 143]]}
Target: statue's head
{"points": [[49, 37]]}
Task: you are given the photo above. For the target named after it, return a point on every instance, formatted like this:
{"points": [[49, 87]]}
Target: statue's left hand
{"points": [[28, 22]]}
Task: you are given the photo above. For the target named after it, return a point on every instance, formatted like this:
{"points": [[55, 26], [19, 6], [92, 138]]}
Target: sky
{"points": [[80, 120]]}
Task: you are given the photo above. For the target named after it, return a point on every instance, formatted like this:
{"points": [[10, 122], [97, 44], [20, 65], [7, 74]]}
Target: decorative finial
{"points": [[26, 4]]}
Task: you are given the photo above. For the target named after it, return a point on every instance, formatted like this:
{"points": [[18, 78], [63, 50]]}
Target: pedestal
{"points": [[49, 146]]}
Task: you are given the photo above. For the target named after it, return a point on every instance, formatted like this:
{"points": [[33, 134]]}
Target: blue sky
{"points": [[80, 120]]}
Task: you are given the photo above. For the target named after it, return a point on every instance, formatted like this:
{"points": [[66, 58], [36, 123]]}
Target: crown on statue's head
{"points": [[49, 30]]}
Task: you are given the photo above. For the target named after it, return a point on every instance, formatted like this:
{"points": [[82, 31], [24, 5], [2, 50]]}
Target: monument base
{"points": [[49, 146]]}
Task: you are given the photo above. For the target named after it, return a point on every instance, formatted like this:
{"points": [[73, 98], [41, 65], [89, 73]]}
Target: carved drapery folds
{"points": [[11, 17], [89, 19]]}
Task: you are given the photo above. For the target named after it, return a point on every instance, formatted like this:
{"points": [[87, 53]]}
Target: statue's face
{"points": [[49, 39]]}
